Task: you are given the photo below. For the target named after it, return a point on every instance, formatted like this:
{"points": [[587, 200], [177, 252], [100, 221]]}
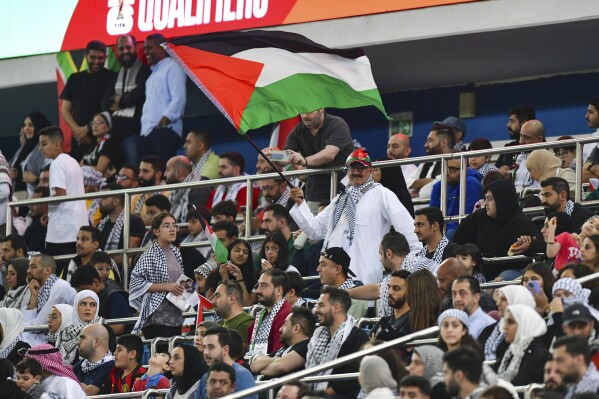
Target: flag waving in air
{"points": [[260, 77], [221, 254]]}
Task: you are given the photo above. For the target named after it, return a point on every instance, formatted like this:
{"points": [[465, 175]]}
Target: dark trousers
{"points": [[62, 248], [161, 142]]}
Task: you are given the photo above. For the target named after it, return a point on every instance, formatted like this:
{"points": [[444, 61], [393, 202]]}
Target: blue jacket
{"points": [[474, 192], [243, 380]]}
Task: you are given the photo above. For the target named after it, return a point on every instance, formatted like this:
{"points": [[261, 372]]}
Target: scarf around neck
{"points": [[347, 203], [44, 292], [324, 348], [262, 327], [115, 233], [87, 366]]}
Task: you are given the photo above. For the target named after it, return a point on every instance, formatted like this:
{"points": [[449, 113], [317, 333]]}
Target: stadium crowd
{"points": [[374, 252]]}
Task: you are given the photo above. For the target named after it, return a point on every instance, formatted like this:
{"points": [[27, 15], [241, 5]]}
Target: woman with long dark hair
{"points": [[187, 368], [240, 267], [154, 276], [423, 294], [18, 294], [275, 253], [539, 280], [26, 165]]}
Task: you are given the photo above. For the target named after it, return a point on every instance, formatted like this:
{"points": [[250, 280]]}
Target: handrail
{"points": [[132, 320], [154, 392], [332, 364], [249, 180]]}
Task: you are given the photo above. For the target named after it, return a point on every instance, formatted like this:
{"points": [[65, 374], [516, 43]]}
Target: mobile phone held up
{"points": [[280, 156], [534, 286]]}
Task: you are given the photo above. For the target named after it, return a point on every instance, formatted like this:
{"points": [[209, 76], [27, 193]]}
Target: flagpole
{"points": [[267, 159]]}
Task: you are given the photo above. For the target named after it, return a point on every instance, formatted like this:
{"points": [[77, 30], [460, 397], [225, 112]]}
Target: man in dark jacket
{"points": [[497, 227]]}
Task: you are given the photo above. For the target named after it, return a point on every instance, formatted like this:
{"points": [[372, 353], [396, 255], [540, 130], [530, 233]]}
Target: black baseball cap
{"points": [[576, 312], [340, 257]]}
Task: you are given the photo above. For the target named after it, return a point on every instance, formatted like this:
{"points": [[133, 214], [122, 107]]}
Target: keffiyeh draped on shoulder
{"points": [[151, 268]]}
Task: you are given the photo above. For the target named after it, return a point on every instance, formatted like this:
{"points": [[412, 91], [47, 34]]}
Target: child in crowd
{"points": [[201, 274], [127, 365], [562, 247], [470, 256], [482, 164], [155, 376], [108, 271], [29, 376], [195, 225], [275, 254]]}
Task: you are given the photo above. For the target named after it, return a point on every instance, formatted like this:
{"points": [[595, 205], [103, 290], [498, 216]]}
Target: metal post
{"points": [[126, 232], [8, 218], [463, 193], [578, 190], [444, 186], [333, 192], [248, 208]]}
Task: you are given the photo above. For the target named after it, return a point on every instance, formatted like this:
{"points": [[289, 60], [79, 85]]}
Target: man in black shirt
{"points": [[111, 226], [297, 331], [398, 324], [82, 97], [320, 140]]}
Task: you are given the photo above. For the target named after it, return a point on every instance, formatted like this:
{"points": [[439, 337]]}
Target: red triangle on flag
{"points": [[228, 80]]}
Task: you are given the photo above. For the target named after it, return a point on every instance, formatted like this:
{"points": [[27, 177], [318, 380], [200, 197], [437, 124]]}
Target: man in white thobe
{"points": [[358, 219]]}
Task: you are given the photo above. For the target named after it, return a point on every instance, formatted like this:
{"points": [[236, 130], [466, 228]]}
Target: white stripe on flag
{"points": [[280, 64]]}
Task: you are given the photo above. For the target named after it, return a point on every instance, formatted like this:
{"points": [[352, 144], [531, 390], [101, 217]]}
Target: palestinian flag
{"points": [[278, 137], [260, 77], [203, 304], [221, 254]]}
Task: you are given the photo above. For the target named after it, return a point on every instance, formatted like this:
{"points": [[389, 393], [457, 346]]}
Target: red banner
{"points": [[108, 19]]}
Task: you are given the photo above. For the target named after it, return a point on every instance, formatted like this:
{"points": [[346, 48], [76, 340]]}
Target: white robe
{"points": [[61, 292], [376, 211], [56, 387]]}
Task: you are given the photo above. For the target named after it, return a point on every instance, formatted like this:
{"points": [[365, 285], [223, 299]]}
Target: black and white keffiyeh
{"points": [[438, 254], [284, 198], [261, 330], [4, 354], [115, 233], [383, 308], [300, 302], [347, 203], [196, 173], [151, 268], [323, 348], [588, 383], [414, 262], [569, 207], [44, 293], [87, 366], [493, 342], [347, 284]]}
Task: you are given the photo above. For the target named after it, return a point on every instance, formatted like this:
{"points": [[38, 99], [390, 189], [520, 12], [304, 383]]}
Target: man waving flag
{"points": [[260, 77]]}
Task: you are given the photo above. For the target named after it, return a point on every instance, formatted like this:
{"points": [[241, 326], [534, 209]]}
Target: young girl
{"points": [[154, 276], [482, 164], [561, 246], [589, 252], [275, 254], [470, 256], [195, 225], [453, 330], [239, 267]]}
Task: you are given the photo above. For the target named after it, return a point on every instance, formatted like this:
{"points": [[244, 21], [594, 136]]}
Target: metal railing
{"points": [[250, 180]]}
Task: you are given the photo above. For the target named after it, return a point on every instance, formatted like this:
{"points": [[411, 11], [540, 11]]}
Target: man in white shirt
{"points": [[47, 290], [357, 218], [65, 218]]}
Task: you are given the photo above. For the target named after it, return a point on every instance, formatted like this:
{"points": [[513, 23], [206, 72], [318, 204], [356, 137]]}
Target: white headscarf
{"points": [[13, 323], [518, 295], [530, 326], [66, 315], [82, 295]]}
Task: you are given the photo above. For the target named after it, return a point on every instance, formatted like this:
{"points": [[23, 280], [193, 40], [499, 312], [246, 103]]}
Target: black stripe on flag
{"points": [[230, 43]]}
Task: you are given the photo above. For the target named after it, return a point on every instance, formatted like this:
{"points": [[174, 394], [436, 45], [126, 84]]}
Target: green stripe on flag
{"points": [[66, 64], [318, 91]]}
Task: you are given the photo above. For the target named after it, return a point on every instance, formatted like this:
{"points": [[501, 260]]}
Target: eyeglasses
{"points": [[168, 226], [562, 154], [453, 169], [94, 123], [360, 168], [123, 177]]}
